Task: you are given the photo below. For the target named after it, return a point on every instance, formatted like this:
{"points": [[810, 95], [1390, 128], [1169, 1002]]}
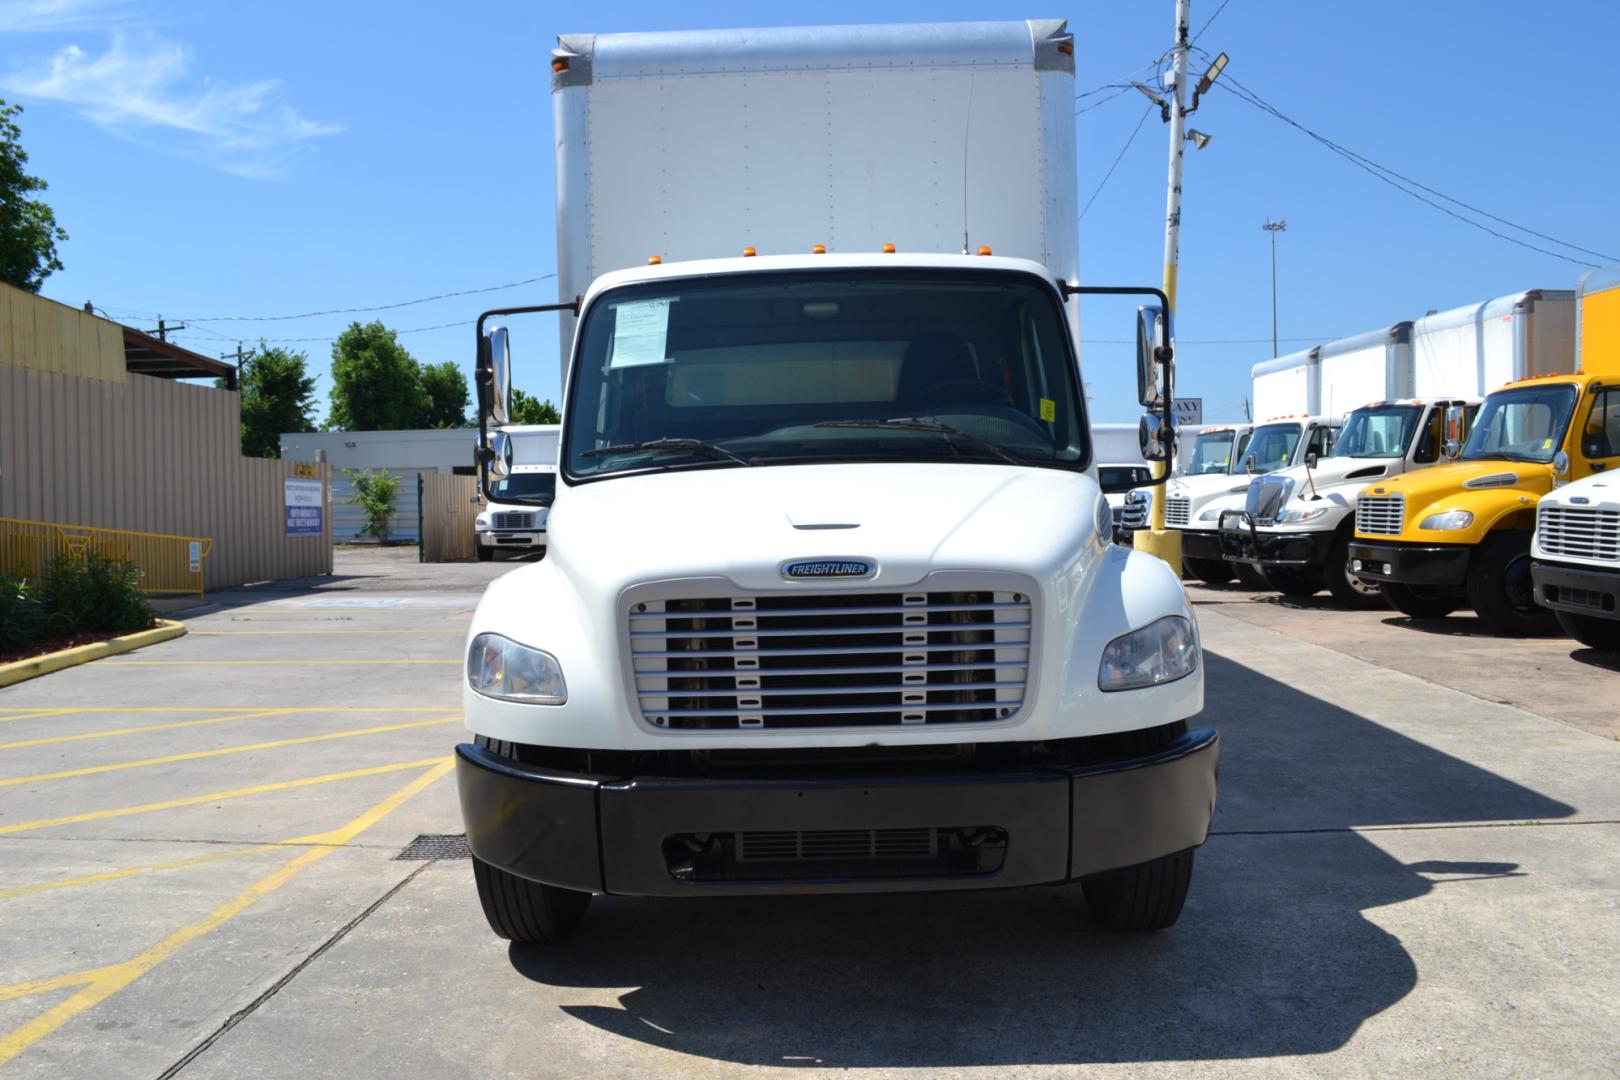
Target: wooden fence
{"points": [[448, 510], [155, 456]]}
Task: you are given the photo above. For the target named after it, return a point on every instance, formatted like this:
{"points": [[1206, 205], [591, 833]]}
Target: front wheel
{"points": [[1349, 589], [1143, 898], [1249, 576], [1600, 634], [1209, 571], [1500, 588], [485, 553], [527, 911], [1419, 601]]}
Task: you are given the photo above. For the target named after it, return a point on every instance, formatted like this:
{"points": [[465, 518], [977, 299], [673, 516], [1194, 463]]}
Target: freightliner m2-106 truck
{"points": [[503, 525], [893, 647], [1296, 524]]}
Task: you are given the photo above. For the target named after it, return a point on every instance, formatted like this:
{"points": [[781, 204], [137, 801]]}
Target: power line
{"points": [[1127, 88], [1209, 20], [1399, 182], [334, 337], [1125, 79], [360, 310], [1117, 160]]}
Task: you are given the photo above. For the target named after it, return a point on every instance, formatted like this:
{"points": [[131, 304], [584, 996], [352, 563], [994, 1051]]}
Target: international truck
{"points": [[505, 524], [892, 647], [1296, 524], [1575, 553]]}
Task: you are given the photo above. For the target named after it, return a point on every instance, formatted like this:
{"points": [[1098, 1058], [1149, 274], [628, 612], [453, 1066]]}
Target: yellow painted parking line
{"points": [[264, 663], [197, 755], [456, 630], [217, 796], [30, 714], [101, 983], [141, 730], [232, 708]]}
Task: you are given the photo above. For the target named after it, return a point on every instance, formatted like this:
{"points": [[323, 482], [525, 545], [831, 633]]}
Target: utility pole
{"points": [[1274, 227]]}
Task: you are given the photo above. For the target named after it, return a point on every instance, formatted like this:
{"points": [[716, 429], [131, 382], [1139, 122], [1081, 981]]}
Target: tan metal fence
{"points": [[448, 511], [168, 564]]}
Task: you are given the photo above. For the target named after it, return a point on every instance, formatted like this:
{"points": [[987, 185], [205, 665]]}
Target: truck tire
{"points": [[516, 908], [1500, 589], [1295, 581], [1347, 587], [1600, 634], [1143, 898], [1419, 601], [1209, 571], [1249, 577], [485, 553]]}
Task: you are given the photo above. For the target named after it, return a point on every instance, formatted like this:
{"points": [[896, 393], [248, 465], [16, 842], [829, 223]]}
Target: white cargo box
{"points": [[1358, 370], [1471, 350], [1288, 385]]}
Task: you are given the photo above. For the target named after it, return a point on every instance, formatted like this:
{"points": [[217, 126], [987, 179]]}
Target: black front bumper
{"points": [[1241, 541], [1048, 823], [1579, 590], [1200, 544], [1411, 564]]}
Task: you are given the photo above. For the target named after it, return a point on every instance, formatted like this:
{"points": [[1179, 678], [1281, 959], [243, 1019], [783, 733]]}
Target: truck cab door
{"points": [[1599, 434]]}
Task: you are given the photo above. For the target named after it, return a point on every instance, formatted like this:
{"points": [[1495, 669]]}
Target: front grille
{"points": [[831, 660], [1575, 597], [1267, 495], [835, 853], [1132, 516], [1579, 532], [1177, 509], [1118, 513], [511, 519], [1380, 515]]}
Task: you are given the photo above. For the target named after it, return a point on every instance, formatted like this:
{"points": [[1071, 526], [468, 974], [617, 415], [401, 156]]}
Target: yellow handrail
{"points": [[168, 564]]}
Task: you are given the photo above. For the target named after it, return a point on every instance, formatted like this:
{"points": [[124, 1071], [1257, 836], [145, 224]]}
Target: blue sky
{"points": [[233, 159]]}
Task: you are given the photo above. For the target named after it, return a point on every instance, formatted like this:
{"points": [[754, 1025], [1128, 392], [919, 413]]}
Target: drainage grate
{"points": [[437, 846]]}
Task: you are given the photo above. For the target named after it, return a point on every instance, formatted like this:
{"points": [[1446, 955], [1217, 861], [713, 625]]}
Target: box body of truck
{"points": [[893, 647], [1471, 350], [1288, 385]]}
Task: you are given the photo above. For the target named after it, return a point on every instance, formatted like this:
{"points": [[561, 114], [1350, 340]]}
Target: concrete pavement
{"points": [[1403, 876]]}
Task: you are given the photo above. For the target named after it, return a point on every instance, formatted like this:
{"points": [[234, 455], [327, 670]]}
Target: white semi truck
{"points": [[892, 648], [1576, 550], [506, 524]]}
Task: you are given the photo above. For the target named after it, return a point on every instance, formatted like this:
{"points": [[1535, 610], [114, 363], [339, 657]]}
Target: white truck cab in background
{"points": [[893, 647], [513, 518], [1576, 553]]}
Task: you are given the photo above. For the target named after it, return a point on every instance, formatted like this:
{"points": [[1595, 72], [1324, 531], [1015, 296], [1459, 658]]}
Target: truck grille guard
{"points": [[947, 651]]}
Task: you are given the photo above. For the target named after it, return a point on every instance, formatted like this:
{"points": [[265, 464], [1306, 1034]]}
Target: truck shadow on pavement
{"points": [[1272, 956]]}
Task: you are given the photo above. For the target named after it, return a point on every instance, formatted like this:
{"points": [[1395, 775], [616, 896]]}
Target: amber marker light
{"points": [[749, 253], [559, 64], [888, 249], [984, 249], [819, 249], [655, 260]]}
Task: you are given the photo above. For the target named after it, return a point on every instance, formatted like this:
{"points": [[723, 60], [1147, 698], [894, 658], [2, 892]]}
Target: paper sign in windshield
{"points": [[640, 333]]}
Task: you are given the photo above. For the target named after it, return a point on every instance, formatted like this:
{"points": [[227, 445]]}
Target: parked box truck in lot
{"points": [[1287, 385], [1295, 525], [520, 527], [1471, 350], [893, 647]]}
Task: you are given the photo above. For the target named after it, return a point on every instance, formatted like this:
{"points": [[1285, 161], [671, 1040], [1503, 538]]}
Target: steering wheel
{"points": [[963, 392]]}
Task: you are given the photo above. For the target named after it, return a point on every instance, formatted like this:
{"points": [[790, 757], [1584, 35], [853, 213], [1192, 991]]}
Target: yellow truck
{"points": [[1458, 535]]}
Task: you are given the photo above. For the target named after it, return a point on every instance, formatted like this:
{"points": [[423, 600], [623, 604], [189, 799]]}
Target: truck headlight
{"points": [[1162, 651], [1210, 514], [1451, 519], [1294, 515], [481, 522], [498, 667], [1103, 519]]}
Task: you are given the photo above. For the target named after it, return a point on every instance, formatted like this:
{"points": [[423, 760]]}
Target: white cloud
{"points": [[45, 16], [141, 89]]}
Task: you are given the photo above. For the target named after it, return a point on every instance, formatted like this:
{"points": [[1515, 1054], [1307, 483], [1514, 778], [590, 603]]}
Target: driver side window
{"points": [[1601, 436]]}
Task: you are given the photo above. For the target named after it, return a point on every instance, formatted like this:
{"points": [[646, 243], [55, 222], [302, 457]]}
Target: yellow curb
{"points": [[82, 654]]}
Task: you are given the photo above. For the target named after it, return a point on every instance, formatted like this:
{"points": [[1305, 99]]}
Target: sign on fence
{"points": [[303, 502], [1189, 410]]}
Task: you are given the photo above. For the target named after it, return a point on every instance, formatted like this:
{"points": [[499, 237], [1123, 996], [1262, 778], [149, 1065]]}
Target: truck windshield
{"points": [[1379, 432], [1117, 478], [541, 486], [1271, 448], [1212, 453], [1524, 424], [808, 367]]}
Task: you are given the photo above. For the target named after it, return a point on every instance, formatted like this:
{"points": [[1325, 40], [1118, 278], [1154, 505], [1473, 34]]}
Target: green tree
{"points": [[278, 395], [376, 383], [444, 389], [528, 410], [28, 229], [374, 495]]}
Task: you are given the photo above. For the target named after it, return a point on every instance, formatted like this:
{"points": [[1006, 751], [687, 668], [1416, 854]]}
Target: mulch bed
{"points": [[58, 643]]}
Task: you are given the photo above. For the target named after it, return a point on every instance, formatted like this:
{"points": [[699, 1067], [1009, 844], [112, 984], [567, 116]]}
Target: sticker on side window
{"points": [[1048, 410], [640, 333]]}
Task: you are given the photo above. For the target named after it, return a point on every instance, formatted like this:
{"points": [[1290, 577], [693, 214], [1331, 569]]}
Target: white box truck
{"points": [[892, 648], [1471, 350], [520, 527], [1287, 385], [1295, 525]]}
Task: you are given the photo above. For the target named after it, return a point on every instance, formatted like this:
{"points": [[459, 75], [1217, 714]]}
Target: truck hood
{"points": [[1598, 492], [745, 523], [1202, 491], [1424, 487], [1338, 480]]}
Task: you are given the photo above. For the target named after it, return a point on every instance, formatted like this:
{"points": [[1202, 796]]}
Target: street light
{"points": [[1274, 227], [1198, 138]]}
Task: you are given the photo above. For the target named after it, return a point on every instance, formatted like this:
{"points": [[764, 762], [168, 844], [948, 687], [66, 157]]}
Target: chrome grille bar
{"points": [[1579, 532], [1380, 515]]}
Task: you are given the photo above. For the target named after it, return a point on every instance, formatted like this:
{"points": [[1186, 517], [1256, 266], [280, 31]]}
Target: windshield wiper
{"points": [[668, 445], [925, 424]]}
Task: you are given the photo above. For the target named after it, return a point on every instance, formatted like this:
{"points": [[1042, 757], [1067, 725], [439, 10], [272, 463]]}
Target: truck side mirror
{"points": [[1560, 465], [1154, 438], [494, 377], [1456, 423], [1248, 465], [1153, 357], [1310, 459], [499, 455]]}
